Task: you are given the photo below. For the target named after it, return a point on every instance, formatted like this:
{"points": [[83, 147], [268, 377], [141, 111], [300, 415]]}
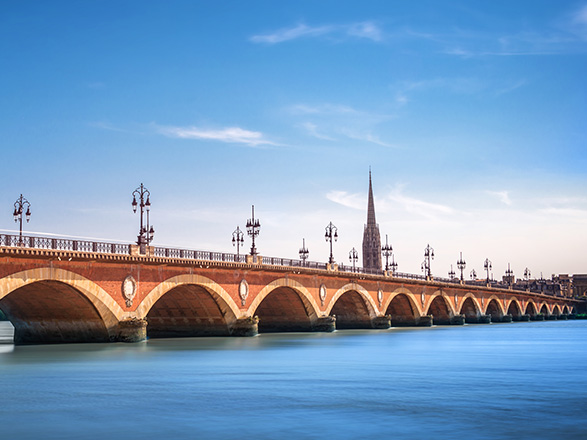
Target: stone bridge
{"points": [[105, 294]]}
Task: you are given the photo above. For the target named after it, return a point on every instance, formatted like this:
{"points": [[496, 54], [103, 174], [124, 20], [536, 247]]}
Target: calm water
{"points": [[500, 381]]}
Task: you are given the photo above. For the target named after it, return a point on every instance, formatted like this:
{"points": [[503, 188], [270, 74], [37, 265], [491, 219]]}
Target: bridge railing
{"points": [[63, 244]]}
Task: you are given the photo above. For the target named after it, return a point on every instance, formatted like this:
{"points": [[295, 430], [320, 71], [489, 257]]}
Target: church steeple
{"points": [[371, 236], [371, 205]]}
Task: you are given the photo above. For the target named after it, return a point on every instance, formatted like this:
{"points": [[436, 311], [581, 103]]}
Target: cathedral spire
{"points": [[371, 205], [371, 236]]}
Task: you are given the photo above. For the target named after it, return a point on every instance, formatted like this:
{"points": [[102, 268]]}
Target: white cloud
{"points": [[420, 208], [235, 135], [301, 30], [367, 30], [366, 137], [312, 130], [354, 201], [502, 196]]}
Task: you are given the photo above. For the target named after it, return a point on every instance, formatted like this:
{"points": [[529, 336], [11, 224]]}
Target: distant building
{"points": [[371, 236], [580, 285]]}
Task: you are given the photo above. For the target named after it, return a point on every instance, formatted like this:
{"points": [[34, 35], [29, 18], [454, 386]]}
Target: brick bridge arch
{"points": [[188, 305], [493, 304], [284, 305], [470, 307], [86, 311], [403, 307], [440, 303], [353, 306]]}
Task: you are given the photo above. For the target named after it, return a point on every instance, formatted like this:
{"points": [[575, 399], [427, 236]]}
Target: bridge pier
{"points": [[324, 324], [381, 322], [507, 318], [426, 321], [457, 320], [248, 326], [132, 330]]}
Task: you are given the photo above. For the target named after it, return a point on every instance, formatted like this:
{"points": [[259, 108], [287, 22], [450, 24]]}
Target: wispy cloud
{"points": [[233, 135], [420, 208], [354, 201], [292, 33], [335, 121], [365, 30], [394, 201], [312, 130], [502, 196]]}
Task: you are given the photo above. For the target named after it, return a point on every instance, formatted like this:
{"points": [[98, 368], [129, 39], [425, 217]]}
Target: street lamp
{"points": [[428, 255], [509, 274], [253, 227], [19, 205], [451, 274], [353, 257], [387, 252], [461, 264], [527, 275], [304, 252], [145, 232], [487, 267], [331, 232], [238, 239], [393, 265]]}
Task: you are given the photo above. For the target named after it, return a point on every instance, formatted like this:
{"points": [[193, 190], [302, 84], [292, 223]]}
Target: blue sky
{"points": [[471, 115]]}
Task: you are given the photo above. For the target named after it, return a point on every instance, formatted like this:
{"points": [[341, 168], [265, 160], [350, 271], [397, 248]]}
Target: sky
{"points": [[471, 115]]}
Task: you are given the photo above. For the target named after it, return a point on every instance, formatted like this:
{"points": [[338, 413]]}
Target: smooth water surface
{"points": [[499, 381]]}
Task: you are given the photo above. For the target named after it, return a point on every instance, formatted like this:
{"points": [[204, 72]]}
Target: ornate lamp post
{"points": [[145, 232], [509, 274], [487, 267], [331, 233], [19, 205], [387, 252], [451, 273], [428, 255], [461, 264], [238, 239], [353, 257], [527, 275], [393, 265], [473, 275], [253, 227], [304, 252]]}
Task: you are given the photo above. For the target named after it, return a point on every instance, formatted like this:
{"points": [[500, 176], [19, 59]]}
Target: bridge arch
{"points": [[403, 307], [353, 306], [544, 310], [531, 308], [284, 305], [188, 305], [56, 305], [514, 308], [566, 310], [471, 308], [494, 308], [556, 310], [440, 307]]}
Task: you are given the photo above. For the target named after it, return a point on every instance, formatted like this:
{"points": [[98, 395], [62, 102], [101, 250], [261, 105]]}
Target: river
{"points": [[500, 381]]}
